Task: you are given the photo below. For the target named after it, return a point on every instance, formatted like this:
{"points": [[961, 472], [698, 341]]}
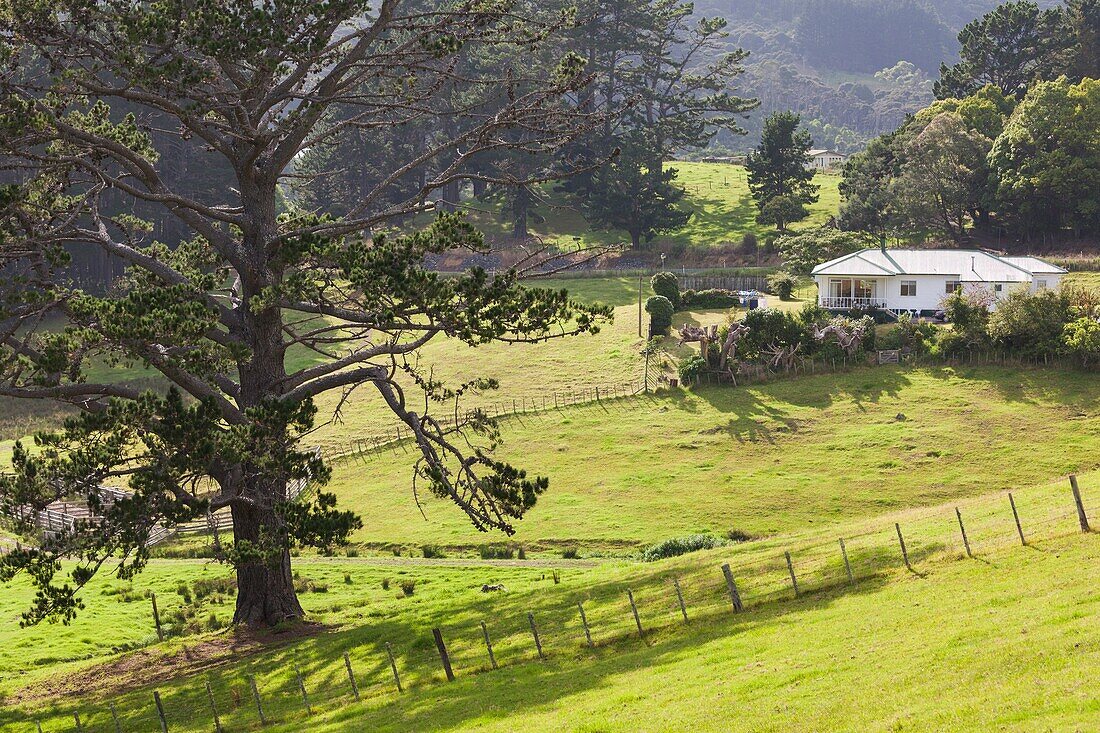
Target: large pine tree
{"points": [[255, 85]]}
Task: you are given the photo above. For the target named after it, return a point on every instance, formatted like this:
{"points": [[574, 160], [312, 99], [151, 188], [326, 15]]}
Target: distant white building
{"points": [[917, 280], [822, 160]]}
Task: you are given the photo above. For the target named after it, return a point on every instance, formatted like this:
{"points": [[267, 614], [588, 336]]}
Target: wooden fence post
{"points": [[79, 725], [735, 597], [847, 565], [901, 541], [38, 724], [535, 633], [790, 570], [256, 697], [393, 667], [488, 644], [962, 528], [584, 622], [1082, 518], [213, 709], [156, 617], [634, 610], [680, 598], [1016, 516], [160, 712], [351, 677], [114, 717], [443, 656], [302, 689]]}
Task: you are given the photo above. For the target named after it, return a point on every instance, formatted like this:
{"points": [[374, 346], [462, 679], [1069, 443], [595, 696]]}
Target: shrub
{"points": [[1031, 325], [496, 552], [522, 554], [1082, 340], [681, 546], [660, 310], [433, 552], [666, 284], [347, 578], [967, 310], [736, 535], [909, 335], [408, 587], [570, 553], [768, 326], [782, 284], [385, 583], [691, 367]]}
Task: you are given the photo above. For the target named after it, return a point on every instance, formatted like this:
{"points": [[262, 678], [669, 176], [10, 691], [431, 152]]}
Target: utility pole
{"points": [[640, 277]]}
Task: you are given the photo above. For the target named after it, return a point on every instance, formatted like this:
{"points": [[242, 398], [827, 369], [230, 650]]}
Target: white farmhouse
{"points": [[821, 160], [917, 280]]}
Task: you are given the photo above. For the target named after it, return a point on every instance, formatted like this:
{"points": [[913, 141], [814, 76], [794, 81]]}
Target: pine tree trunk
{"points": [[265, 590], [520, 204], [265, 585]]}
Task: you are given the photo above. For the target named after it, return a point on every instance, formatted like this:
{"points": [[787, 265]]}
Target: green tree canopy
{"points": [[216, 317], [779, 178], [1046, 163]]}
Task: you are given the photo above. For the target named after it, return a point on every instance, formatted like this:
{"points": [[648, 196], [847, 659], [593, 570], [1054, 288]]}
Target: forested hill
{"points": [[853, 68]]}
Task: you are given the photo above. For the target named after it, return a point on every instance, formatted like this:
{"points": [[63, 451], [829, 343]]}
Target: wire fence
{"points": [[756, 581], [367, 448]]}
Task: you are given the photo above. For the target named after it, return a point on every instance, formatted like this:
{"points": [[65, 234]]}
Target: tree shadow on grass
{"points": [[1028, 384], [572, 668]]}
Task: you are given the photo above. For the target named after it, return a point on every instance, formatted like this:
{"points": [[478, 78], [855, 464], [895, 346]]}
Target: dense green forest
{"points": [[852, 68]]}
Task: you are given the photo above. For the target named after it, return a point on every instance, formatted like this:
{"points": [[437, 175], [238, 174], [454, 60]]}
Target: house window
{"points": [[1040, 284], [953, 286], [909, 287], [998, 288]]}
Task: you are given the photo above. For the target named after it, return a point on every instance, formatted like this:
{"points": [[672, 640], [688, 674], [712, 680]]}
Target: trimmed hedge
{"points": [[668, 285], [713, 298], [660, 312]]}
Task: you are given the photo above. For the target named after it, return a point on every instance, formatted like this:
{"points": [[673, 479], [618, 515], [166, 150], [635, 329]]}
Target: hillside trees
{"points": [[217, 316], [778, 177], [1010, 47], [940, 187], [667, 81], [983, 161], [1047, 160]]}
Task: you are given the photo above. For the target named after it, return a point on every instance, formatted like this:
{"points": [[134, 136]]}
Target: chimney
{"points": [[882, 243]]}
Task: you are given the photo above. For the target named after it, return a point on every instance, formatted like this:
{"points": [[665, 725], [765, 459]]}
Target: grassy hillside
{"points": [[762, 460], [717, 194], [923, 640]]}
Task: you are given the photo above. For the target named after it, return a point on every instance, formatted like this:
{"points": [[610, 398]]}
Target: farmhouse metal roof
{"points": [[824, 151], [968, 265]]}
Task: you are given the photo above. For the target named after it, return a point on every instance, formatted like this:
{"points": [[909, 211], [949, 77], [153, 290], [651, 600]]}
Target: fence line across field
{"points": [[241, 698]]}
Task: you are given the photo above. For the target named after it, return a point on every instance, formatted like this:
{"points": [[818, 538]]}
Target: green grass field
{"points": [[762, 460], [1002, 642], [925, 638], [717, 195]]}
